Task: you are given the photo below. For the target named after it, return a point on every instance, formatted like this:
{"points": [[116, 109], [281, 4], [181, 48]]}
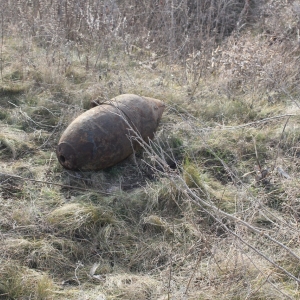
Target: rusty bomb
{"points": [[107, 134]]}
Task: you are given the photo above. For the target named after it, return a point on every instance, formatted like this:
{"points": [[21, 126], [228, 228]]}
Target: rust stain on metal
{"points": [[101, 137]]}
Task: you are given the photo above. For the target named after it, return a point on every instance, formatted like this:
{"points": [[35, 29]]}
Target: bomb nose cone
{"points": [[158, 107], [66, 156], [161, 107]]}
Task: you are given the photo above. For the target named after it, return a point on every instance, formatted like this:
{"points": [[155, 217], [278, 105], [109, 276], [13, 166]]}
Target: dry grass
{"points": [[18, 282], [209, 210]]}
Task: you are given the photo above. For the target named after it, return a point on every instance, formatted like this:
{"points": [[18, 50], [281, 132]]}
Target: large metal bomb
{"points": [[108, 133]]}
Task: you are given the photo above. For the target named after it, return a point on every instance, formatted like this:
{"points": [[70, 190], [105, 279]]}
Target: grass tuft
{"points": [[18, 282], [80, 218]]}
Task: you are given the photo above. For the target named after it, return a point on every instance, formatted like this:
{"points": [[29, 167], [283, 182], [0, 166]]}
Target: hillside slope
{"points": [[209, 210]]}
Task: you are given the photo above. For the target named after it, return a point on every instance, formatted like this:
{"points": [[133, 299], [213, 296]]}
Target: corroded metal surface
{"points": [[105, 134]]}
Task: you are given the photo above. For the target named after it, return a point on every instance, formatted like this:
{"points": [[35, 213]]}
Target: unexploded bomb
{"points": [[108, 133]]}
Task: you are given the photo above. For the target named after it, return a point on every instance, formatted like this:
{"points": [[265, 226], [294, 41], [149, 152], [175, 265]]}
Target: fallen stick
{"points": [[53, 183]]}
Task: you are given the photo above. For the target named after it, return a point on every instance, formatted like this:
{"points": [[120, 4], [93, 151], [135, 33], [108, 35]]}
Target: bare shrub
{"points": [[262, 65], [252, 63], [176, 28]]}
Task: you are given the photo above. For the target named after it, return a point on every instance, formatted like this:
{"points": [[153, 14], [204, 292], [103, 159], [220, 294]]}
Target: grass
{"points": [[190, 216], [79, 219], [19, 283]]}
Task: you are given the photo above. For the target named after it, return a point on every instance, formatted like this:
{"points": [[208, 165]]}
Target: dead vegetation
{"points": [[208, 210]]}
